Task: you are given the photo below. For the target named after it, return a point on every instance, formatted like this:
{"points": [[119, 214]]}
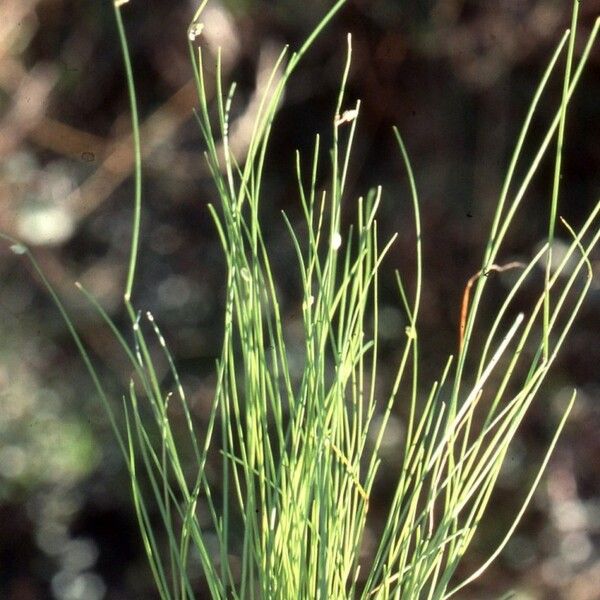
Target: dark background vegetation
{"points": [[456, 76]]}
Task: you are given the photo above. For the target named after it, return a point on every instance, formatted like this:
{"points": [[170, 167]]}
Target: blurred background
{"points": [[456, 77]]}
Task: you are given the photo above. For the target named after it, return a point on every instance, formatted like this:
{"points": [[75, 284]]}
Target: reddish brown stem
{"points": [[467, 293]]}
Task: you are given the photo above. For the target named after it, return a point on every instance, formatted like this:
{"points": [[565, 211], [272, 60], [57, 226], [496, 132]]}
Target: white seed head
{"points": [[346, 117], [336, 241], [308, 302], [18, 248], [195, 30]]}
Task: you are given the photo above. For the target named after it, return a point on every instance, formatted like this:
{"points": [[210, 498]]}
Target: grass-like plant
{"points": [[300, 455]]}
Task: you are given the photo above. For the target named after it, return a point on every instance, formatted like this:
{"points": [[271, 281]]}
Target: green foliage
{"points": [[300, 455]]}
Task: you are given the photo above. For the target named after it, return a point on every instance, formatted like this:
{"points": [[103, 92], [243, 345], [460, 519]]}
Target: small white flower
{"points": [[119, 3], [336, 241]]}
